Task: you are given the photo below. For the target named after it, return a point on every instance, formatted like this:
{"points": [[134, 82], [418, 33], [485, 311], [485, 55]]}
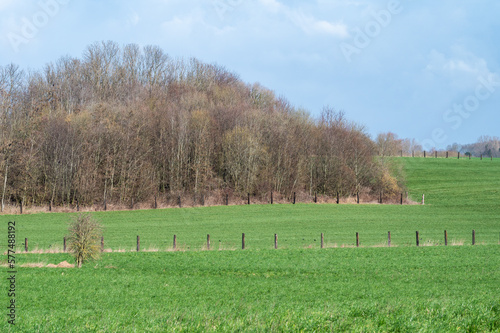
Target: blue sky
{"points": [[427, 70]]}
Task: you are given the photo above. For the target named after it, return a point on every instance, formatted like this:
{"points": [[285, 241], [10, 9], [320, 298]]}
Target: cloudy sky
{"points": [[426, 69]]}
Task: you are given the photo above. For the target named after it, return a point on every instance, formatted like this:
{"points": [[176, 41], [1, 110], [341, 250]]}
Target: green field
{"points": [[373, 288], [461, 195]]}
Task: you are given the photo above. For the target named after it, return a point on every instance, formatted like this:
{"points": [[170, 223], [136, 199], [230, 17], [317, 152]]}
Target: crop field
{"points": [[298, 287]]}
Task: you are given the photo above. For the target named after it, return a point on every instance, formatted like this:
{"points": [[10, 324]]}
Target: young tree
{"points": [[83, 238]]}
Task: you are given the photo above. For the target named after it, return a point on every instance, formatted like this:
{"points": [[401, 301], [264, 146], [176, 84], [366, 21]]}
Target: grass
{"points": [[297, 226], [297, 288], [370, 289], [461, 195]]}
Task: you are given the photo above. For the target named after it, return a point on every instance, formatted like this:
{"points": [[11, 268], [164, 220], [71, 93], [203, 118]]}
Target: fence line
{"points": [[312, 199], [418, 240], [438, 154], [104, 207]]}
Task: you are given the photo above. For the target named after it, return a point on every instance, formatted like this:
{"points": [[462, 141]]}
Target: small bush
{"points": [[83, 239]]}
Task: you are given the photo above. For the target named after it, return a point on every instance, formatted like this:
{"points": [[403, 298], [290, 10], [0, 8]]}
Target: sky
{"points": [[427, 70]]}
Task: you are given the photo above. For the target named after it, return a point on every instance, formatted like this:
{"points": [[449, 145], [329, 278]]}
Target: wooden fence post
{"points": [[50, 205], [458, 155], [275, 241], [64, 244], [179, 201], [21, 207], [243, 241], [481, 157], [424, 153], [445, 238], [357, 239], [338, 198], [380, 199], [294, 198], [105, 206], [315, 197], [138, 243], [102, 243], [26, 245], [208, 242], [357, 197], [401, 198], [202, 200], [271, 197], [446, 154], [473, 237], [322, 240], [418, 240], [412, 153], [401, 153], [389, 239], [248, 198], [227, 199], [131, 203], [175, 242], [156, 204], [77, 205]]}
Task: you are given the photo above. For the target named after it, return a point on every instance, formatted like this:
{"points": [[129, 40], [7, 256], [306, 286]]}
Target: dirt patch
{"points": [[33, 264], [65, 264]]}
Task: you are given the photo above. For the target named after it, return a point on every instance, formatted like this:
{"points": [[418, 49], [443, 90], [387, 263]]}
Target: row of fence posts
{"points": [[417, 236], [447, 155], [226, 201]]}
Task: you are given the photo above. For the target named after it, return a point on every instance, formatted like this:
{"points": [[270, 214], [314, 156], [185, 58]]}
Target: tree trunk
{"points": [[4, 184]]}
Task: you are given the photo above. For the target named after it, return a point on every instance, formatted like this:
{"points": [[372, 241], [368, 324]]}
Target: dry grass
{"points": [[220, 246], [150, 249], [217, 198], [459, 242], [429, 243], [382, 245], [34, 264], [55, 249]]}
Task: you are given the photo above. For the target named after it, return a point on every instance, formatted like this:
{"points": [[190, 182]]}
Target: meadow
{"points": [[298, 287], [460, 196]]}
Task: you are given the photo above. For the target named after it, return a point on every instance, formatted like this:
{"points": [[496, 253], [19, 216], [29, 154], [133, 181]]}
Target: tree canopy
{"points": [[124, 123]]}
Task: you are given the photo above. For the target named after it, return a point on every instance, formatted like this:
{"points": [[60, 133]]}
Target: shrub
{"points": [[84, 235]]}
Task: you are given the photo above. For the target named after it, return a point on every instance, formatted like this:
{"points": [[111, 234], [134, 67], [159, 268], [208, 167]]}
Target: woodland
{"points": [[126, 123]]}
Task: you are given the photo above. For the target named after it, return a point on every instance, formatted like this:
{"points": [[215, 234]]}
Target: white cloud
{"points": [[311, 25], [461, 68], [178, 26], [306, 22], [460, 62], [272, 5]]}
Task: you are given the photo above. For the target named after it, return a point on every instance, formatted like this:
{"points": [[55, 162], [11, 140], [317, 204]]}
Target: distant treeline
{"points": [[485, 146], [128, 123]]}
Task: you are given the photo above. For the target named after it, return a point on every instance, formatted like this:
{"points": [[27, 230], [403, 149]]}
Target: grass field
{"points": [[461, 195], [373, 288], [370, 289]]}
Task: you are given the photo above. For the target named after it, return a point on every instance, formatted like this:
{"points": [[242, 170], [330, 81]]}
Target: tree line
{"points": [[485, 146], [129, 123]]}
